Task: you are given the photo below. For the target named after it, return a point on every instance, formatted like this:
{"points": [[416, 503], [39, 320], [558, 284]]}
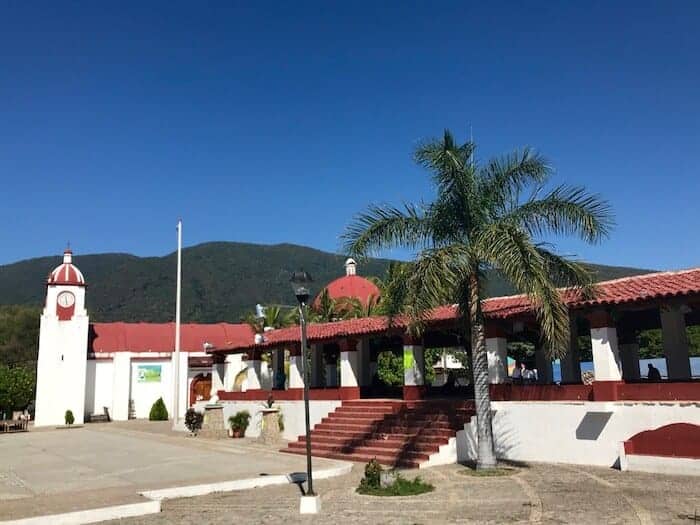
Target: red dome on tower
{"points": [[352, 285], [67, 273]]}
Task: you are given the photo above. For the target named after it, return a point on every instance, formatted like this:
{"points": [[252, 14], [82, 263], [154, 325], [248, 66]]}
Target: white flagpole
{"points": [[176, 362]]}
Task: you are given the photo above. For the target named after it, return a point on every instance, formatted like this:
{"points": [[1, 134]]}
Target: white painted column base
{"points": [[254, 378], [606, 357], [497, 354], [295, 378], [349, 368], [413, 365], [310, 505]]}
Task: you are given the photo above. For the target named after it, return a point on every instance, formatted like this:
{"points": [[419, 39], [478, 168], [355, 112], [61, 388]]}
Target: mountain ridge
{"points": [[222, 280]]}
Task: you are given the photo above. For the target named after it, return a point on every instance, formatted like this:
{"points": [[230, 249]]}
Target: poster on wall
{"points": [[148, 373]]}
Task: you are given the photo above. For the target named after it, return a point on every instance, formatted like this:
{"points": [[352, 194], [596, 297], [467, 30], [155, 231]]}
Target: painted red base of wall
{"points": [[606, 390], [411, 393], [511, 392], [599, 391], [676, 440], [292, 394]]}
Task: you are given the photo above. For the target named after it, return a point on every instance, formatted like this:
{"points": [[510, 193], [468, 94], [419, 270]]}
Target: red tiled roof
{"points": [[352, 286], [619, 291], [160, 337]]}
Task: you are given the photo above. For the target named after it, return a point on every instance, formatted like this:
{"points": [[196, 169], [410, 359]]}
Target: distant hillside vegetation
{"points": [[221, 280]]}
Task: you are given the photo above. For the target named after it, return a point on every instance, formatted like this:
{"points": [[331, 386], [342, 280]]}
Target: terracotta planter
{"points": [[235, 433]]}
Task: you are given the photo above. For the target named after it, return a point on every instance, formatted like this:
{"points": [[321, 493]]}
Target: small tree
{"points": [[158, 411], [69, 417], [16, 388]]}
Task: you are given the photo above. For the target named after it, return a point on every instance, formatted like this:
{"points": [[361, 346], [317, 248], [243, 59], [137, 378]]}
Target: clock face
{"points": [[66, 299]]}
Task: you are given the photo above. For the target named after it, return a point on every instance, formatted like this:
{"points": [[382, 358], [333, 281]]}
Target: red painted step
{"points": [[396, 433]]}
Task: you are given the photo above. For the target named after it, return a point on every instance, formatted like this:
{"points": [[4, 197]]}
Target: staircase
{"points": [[396, 433]]}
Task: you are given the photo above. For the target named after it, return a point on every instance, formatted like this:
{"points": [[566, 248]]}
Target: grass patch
{"points": [[487, 473], [400, 487]]}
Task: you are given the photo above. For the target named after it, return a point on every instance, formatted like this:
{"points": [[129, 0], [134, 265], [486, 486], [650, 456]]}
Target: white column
{"points": [[629, 355], [349, 368], [183, 385], [234, 364], [675, 340], [497, 355], [606, 357], [413, 371], [545, 374], [121, 386], [295, 378], [254, 378]]}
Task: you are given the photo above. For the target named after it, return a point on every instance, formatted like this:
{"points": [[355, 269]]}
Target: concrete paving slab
{"points": [[48, 472]]}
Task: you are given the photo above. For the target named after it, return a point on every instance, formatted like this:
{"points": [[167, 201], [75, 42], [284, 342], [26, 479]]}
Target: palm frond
{"points": [[450, 163], [502, 179], [566, 211], [568, 273], [510, 249], [382, 227]]}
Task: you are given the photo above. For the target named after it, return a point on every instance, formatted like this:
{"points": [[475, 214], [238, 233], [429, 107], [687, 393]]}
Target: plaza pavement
{"points": [[536, 494], [49, 471]]}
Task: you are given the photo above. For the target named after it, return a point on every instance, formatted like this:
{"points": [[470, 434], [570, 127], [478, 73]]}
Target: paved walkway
{"points": [[536, 494], [52, 471]]}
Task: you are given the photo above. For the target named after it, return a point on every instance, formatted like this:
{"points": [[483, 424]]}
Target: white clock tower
{"points": [[63, 346]]}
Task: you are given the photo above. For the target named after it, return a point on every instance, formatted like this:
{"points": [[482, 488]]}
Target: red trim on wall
{"points": [[511, 392], [599, 391], [606, 390], [662, 391], [675, 440], [411, 393], [292, 394]]}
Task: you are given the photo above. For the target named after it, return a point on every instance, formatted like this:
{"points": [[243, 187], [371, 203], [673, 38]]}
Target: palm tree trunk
{"points": [[486, 457]]}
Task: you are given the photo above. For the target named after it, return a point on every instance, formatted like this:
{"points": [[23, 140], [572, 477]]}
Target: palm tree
{"points": [[275, 317], [482, 219]]}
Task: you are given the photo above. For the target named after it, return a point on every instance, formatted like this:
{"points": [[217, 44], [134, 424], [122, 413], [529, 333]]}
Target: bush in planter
{"points": [[158, 411], [239, 422], [371, 484], [193, 420], [68, 417]]}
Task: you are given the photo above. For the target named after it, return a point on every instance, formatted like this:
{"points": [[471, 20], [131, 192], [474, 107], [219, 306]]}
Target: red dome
{"points": [[67, 273], [353, 286]]}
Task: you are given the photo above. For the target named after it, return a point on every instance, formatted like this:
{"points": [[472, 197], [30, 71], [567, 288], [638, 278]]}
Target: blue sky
{"points": [[278, 123]]}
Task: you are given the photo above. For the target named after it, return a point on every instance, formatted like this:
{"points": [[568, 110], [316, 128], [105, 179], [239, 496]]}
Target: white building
{"points": [[121, 367]]}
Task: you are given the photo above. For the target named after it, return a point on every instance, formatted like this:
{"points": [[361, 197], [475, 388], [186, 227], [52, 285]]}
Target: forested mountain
{"points": [[221, 280]]}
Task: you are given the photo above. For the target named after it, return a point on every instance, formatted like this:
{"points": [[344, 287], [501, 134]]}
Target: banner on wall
{"points": [[148, 373]]}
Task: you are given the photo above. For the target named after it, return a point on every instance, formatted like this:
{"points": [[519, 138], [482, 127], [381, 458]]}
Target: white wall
{"points": [[586, 433], [145, 394], [292, 411], [98, 386]]}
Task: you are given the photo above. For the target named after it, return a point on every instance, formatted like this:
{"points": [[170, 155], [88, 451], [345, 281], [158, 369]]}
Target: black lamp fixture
{"points": [[301, 285]]}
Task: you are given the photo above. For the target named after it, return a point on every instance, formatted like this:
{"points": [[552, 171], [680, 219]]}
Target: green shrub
{"points": [[193, 420], [390, 368], [158, 411], [373, 471], [68, 417], [240, 421]]}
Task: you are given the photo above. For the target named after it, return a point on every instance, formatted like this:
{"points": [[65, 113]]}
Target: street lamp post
{"points": [[301, 284]]}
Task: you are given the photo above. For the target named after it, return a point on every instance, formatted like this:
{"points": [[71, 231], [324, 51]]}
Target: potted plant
{"points": [[238, 423]]}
